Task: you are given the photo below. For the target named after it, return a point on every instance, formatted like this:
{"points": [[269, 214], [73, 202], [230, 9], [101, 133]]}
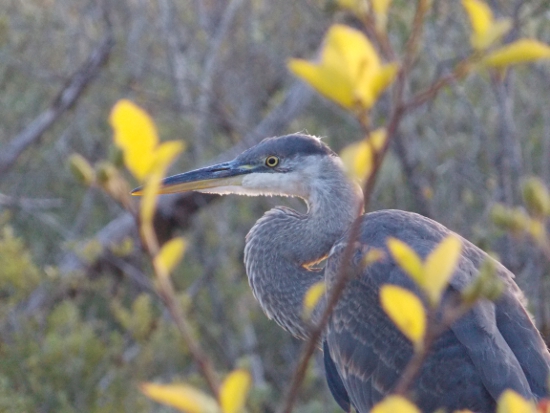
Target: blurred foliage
{"points": [[98, 334]]}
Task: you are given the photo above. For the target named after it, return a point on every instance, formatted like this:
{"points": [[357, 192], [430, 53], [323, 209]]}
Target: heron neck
{"points": [[283, 244]]}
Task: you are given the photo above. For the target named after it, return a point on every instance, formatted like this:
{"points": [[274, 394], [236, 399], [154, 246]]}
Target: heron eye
{"points": [[272, 161]]}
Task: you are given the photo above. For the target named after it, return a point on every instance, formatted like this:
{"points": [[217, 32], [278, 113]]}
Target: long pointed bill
{"points": [[227, 174]]}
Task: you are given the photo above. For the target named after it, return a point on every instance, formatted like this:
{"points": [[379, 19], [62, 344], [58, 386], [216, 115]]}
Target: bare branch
{"points": [[29, 204], [65, 99], [209, 71], [177, 59]]}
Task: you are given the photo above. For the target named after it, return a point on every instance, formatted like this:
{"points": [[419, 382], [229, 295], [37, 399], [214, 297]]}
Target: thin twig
{"points": [[317, 331], [460, 71], [208, 73], [66, 98], [378, 156], [168, 295]]}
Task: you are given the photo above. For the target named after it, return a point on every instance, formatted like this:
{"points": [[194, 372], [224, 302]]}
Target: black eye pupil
{"points": [[272, 161]]}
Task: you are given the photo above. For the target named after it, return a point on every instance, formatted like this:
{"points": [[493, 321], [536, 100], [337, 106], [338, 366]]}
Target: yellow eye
{"points": [[272, 161]]}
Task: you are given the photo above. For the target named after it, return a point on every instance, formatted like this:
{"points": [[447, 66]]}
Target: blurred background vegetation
{"points": [[80, 323]]}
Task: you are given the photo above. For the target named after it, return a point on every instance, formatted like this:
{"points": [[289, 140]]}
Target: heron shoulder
{"points": [[422, 235]]}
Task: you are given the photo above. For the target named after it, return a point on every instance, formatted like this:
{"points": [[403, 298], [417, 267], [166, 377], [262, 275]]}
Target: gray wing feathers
{"points": [[495, 361], [494, 347]]}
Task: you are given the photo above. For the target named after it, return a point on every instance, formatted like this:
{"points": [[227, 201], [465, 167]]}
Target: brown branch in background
{"points": [[414, 180], [167, 293], [381, 37], [177, 58], [208, 74], [29, 204], [66, 98], [460, 71]]}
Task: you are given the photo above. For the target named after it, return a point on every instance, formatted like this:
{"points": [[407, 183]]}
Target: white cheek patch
{"points": [[285, 184], [226, 190]]}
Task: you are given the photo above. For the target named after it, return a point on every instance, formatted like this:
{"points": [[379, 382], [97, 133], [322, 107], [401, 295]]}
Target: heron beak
{"points": [[227, 174]]}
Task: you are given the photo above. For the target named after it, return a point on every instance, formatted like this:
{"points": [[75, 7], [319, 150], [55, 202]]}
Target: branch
{"points": [[176, 53], [65, 99], [29, 204], [414, 180], [341, 279], [209, 71]]}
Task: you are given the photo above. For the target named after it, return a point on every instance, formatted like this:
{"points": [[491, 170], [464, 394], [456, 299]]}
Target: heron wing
{"points": [[334, 381], [518, 330], [468, 366], [500, 337]]}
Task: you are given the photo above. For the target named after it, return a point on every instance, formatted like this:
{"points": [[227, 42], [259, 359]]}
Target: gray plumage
{"points": [[494, 347]]}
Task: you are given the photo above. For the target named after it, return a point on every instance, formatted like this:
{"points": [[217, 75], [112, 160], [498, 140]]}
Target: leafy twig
{"points": [[378, 156], [167, 293]]}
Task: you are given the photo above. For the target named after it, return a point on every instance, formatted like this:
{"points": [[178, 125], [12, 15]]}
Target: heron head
{"points": [[287, 165]]}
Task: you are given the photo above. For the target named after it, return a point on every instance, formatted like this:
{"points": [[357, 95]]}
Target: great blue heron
{"points": [[495, 346]]}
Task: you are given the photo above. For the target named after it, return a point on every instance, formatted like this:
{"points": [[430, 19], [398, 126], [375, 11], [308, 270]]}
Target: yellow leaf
{"points": [[312, 297], [359, 7], [373, 255], [135, 134], [406, 311], [349, 72], [440, 266], [521, 51], [170, 254], [165, 154], [407, 259], [181, 396], [150, 192], [480, 15], [485, 29], [234, 391], [380, 8], [379, 82], [358, 156], [81, 168], [511, 402], [338, 89], [395, 404]]}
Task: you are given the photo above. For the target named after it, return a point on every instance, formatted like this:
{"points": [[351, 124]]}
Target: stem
{"points": [[460, 71], [168, 296], [315, 335], [378, 156]]}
